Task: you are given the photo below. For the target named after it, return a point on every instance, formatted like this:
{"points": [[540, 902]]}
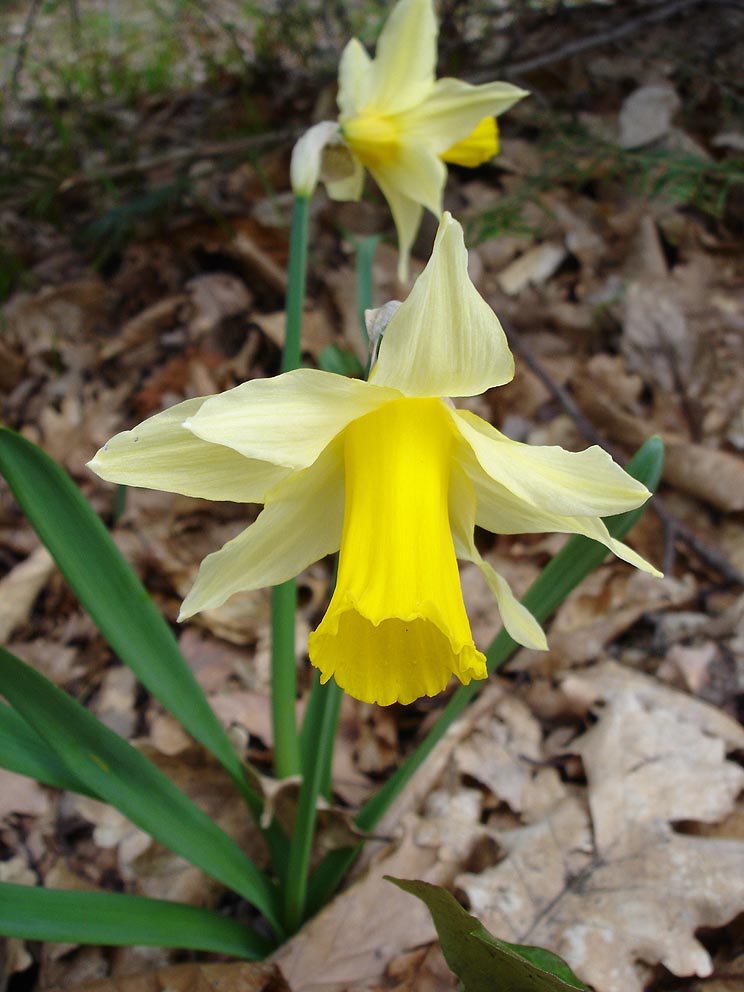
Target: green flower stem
{"points": [[284, 597], [321, 716], [567, 569], [318, 739]]}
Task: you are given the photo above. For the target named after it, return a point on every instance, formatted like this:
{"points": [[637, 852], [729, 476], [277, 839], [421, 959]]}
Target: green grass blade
{"points": [[112, 594], [562, 574], [24, 752], [113, 919], [120, 775]]}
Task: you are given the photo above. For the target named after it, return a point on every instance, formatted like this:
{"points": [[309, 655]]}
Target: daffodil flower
{"points": [[400, 123], [391, 473]]}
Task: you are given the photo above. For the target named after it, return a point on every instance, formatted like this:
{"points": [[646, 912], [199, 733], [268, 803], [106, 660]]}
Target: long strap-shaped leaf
{"points": [[119, 774], [110, 918], [112, 594], [24, 752]]}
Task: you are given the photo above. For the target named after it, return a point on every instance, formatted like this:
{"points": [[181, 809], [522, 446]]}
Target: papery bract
{"points": [[390, 472]]}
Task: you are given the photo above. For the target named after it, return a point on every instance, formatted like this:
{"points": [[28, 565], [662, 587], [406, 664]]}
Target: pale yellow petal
{"points": [[414, 172], [353, 79], [407, 217], [307, 157], [564, 482], [452, 111], [300, 523], [444, 340], [396, 627], [161, 453], [502, 512], [517, 619], [402, 73], [289, 419]]}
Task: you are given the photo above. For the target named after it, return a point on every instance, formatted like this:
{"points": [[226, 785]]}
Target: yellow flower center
{"points": [[396, 627], [373, 138], [480, 145]]}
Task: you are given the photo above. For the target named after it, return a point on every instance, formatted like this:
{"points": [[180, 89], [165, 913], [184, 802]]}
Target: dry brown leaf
{"points": [[689, 665], [19, 794], [317, 332], [606, 681], [19, 589], [536, 266], [648, 763], [646, 114], [504, 752], [144, 326], [616, 899], [240, 977], [351, 941], [607, 603], [658, 339], [215, 296], [711, 475]]}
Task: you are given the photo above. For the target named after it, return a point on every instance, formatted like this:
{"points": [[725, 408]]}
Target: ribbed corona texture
{"points": [[393, 475], [397, 619]]}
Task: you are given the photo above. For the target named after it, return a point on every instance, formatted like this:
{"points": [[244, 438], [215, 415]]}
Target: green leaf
{"points": [[119, 774], [24, 752], [339, 360], [110, 918], [111, 593], [482, 962]]}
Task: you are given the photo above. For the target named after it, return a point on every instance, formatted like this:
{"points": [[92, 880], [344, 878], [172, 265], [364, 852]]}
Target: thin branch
{"points": [[223, 149], [23, 48], [673, 526], [618, 32]]}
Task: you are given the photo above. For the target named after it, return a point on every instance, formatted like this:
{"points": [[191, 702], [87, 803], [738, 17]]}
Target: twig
{"points": [[618, 32], [23, 48], [223, 149], [673, 526]]}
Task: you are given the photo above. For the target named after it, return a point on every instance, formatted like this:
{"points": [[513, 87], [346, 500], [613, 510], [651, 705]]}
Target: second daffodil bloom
{"points": [[400, 123], [393, 475]]}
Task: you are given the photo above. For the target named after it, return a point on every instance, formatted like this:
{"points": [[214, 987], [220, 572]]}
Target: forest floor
{"points": [[143, 248]]}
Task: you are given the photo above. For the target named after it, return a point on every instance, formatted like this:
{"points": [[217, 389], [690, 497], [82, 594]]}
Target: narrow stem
{"points": [[284, 597], [317, 720], [296, 282], [284, 680], [316, 770]]}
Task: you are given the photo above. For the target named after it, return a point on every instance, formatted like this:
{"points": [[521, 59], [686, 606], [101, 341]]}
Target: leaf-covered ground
{"points": [[589, 801]]}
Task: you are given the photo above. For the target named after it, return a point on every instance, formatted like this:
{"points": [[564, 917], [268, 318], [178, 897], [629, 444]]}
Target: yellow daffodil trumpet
{"points": [[401, 124], [390, 472]]}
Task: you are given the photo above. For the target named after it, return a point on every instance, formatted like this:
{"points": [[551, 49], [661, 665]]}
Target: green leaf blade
{"points": [[24, 752], [119, 774], [120, 920], [482, 962], [109, 590]]}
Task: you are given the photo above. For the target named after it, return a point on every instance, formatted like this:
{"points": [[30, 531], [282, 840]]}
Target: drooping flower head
{"points": [[393, 475], [399, 122]]}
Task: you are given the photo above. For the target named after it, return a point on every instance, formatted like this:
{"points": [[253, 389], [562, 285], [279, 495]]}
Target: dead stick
{"points": [[673, 526], [238, 146], [618, 32], [23, 48]]}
